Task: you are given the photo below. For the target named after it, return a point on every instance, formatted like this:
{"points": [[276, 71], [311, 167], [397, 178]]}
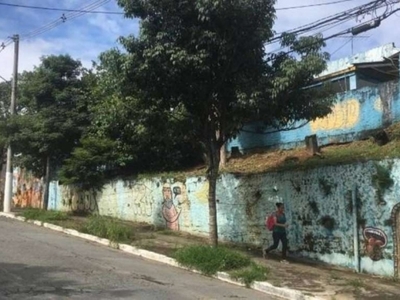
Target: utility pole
{"points": [[9, 170]]}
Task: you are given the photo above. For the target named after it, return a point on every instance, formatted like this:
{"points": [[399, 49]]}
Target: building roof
{"points": [[347, 64]]}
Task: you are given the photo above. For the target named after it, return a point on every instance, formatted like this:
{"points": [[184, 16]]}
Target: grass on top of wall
{"points": [[264, 161], [209, 260], [300, 159]]}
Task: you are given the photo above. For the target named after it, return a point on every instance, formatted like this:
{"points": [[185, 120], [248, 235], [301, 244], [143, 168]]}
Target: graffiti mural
{"points": [[375, 240], [176, 205], [169, 211], [182, 199], [142, 201], [79, 202], [27, 190]]}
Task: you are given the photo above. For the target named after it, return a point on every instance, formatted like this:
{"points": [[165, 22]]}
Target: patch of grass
{"points": [[209, 260], [356, 283], [263, 160], [44, 215], [108, 228], [250, 274]]}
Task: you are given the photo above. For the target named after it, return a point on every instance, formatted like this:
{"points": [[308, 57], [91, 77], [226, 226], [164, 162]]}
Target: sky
{"points": [[86, 36]]}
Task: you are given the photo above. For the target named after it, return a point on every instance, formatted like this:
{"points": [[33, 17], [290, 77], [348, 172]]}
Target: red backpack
{"points": [[270, 222]]}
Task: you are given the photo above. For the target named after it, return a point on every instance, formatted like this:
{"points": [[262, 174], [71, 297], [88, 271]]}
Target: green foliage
{"points": [[250, 274], [44, 215], [108, 228], [87, 167], [382, 181], [210, 260], [52, 112]]}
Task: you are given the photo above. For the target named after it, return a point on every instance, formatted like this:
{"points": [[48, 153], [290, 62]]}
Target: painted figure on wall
{"points": [[182, 199], [169, 210], [375, 240]]}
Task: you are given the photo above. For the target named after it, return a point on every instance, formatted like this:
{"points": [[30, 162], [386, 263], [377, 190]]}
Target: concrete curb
{"points": [[263, 287]]}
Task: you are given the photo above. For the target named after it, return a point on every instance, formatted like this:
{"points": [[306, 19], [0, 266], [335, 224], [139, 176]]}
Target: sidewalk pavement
{"points": [[311, 278]]}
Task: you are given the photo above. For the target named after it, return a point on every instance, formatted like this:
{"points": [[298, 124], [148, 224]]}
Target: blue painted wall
{"points": [[243, 203], [355, 113]]}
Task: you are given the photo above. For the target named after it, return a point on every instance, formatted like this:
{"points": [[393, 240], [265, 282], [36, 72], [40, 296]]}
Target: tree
{"points": [[125, 136], [52, 114], [207, 60]]}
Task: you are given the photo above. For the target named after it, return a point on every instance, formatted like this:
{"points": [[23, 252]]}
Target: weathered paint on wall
{"points": [[355, 113], [318, 206], [27, 189]]}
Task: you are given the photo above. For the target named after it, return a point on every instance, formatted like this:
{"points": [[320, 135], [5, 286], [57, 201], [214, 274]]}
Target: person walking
{"points": [[279, 231]]}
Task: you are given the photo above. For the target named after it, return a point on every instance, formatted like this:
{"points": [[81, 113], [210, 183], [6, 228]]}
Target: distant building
{"points": [[369, 68], [368, 99]]}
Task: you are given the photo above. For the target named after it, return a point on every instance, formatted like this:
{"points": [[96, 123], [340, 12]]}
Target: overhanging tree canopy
{"points": [[208, 58]]}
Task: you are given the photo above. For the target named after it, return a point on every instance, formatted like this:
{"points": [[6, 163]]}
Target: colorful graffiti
{"points": [[375, 240], [27, 190], [176, 206], [169, 211]]}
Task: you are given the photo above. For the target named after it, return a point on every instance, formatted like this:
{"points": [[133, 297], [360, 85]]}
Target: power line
{"points": [[341, 47], [64, 9], [64, 18], [312, 5], [121, 13]]}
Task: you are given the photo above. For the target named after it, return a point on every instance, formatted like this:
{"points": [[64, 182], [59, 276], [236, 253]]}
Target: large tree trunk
{"points": [[212, 175], [46, 184]]}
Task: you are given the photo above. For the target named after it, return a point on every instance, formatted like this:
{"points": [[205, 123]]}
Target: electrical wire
{"points": [[341, 47], [64, 18], [121, 13], [333, 19], [63, 9], [310, 5]]}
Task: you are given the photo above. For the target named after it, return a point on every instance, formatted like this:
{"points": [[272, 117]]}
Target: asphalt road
{"points": [[37, 263]]}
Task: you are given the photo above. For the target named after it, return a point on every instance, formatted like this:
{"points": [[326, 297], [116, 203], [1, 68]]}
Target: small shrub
{"points": [[382, 181], [250, 274], [209, 260], [107, 228], [325, 186], [314, 207], [44, 215]]}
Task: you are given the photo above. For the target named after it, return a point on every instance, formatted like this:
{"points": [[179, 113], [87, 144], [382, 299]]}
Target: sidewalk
{"points": [[309, 277]]}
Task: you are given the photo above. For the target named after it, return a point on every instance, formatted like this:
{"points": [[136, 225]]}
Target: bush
{"points": [[44, 215], [210, 260], [107, 228], [250, 274]]}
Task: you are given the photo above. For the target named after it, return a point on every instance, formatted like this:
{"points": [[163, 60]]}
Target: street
{"points": [[37, 263]]}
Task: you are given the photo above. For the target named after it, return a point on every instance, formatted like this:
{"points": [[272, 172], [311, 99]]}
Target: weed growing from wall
{"points": [[314, 207], [382, 181], [325, 186], [328, 222]]}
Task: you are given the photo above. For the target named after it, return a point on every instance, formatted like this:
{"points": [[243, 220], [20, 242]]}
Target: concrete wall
{"points": [[27, 189], [355, 113], [318, 206]]}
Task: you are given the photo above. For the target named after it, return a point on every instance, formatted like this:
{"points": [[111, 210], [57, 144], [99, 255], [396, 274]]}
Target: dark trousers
{"points": [[279, 236]]}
